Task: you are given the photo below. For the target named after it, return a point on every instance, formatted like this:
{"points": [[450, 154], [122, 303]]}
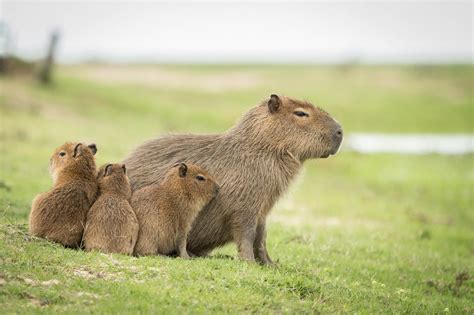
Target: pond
{"points": [[451, 144]]}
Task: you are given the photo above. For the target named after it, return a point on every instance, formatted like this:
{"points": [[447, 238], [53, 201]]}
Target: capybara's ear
{"points": [[93, 148], [183, 169], [124, 169], [274, 103], [108, 170], [77, 150]]}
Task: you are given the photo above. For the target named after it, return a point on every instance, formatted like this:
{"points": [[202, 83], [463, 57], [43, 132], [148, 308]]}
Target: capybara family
{"points": [[60, 214], [177, 208], [166, 211], [112, 225], [253, 162]]}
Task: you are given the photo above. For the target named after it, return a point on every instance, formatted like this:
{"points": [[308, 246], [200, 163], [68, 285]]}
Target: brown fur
{"points": [[59, 215], [254, 163], [165, 212], [112, 226]]}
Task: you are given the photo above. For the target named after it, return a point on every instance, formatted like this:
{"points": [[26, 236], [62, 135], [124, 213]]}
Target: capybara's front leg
{"points": [[245, 238], [182, 252], [260, 245]]}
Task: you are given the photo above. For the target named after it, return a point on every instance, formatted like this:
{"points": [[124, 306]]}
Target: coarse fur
{"points": [[112, 226], [253, 162], [166, 211], [60, 214]]}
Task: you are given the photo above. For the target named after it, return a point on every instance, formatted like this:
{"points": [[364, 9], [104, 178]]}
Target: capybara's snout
{"points": [[337, 138], [335, 135]]}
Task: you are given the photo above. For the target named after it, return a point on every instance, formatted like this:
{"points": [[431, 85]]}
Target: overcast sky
{"points": [[262, 31]]}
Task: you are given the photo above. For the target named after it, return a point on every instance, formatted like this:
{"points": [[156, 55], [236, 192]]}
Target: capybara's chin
{"points": [[332, 151]]}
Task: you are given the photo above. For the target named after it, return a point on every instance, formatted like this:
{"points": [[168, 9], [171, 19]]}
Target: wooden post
{"points": [[46, 69], [4, 38]]}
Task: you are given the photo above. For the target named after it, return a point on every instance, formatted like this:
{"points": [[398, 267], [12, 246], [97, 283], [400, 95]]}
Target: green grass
{"points": [[355, 234]]}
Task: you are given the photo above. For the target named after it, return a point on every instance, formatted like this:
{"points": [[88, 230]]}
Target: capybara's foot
{"points": [[184, 255], [265, 260], [247, 255], [268, 263], [262, 257]]}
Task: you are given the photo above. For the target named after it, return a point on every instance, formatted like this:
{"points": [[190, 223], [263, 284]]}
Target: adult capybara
{"points": [[254, 162], [60, 214]]}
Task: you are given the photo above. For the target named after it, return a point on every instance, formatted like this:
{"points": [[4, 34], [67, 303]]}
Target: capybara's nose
{"points": [[216, 189], [337, 137]]}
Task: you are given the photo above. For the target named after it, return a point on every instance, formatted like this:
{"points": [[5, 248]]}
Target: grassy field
{"points": [[356, 233]]}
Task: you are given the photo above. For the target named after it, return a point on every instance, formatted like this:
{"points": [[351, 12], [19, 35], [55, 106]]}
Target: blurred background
{"points": [[398, 76], [243, 32]]}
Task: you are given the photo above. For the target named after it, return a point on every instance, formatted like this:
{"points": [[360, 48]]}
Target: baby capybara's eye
{"points": [[62, 153], [200, 178]]}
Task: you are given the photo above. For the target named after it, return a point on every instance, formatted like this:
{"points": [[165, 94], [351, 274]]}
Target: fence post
{"points": [[45, 72]]}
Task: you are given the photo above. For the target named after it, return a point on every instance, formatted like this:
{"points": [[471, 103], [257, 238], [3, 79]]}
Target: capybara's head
{"points": [[298, 127], [73, 156], [193, 182], [113, 178]]}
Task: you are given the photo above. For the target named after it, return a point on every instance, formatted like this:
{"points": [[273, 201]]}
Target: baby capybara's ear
{"points": [[274, 103], [77, 150], [183, 170], [93, 148], [108, 170]]}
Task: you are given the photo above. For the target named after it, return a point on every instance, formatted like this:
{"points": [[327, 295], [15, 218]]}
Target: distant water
{"points": [[451, 144]]}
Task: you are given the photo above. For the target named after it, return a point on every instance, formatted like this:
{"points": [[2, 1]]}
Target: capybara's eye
{"points": [[200, 178], [301, 113], [62, 153]]}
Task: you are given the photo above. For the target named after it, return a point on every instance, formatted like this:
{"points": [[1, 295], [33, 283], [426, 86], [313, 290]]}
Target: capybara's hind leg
{"points": [[260, 246]]}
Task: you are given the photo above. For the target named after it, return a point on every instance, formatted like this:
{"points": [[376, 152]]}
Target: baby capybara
{"points": [[166, 211], [60, 214], [112, 225]]}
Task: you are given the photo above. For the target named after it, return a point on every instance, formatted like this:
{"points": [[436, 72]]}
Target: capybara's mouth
{"points": [[334, 151], [328, 154]]}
